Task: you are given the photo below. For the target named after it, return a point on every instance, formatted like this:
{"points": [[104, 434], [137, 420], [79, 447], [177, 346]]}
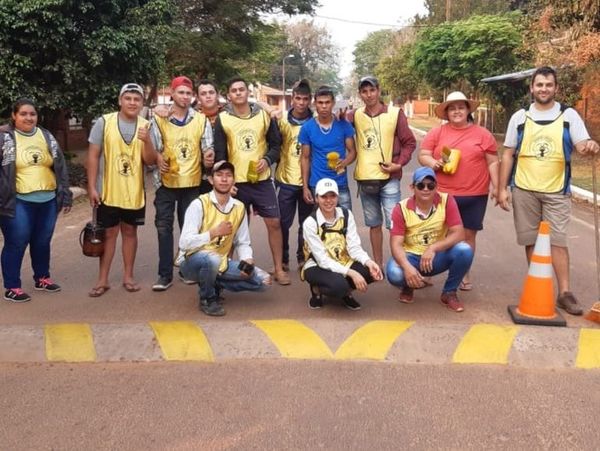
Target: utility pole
{"points": [[448, 8]]}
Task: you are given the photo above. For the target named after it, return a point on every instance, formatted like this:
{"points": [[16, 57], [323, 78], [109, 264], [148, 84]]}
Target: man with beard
{"points": [[180, 142], [536, 164], [215, 225]]}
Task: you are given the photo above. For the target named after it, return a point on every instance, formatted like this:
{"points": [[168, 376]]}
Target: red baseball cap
{"points": [[179, 81]]}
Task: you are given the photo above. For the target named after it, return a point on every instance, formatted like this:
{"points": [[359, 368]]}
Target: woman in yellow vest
{"points": [[34, 187], [336, 263]]}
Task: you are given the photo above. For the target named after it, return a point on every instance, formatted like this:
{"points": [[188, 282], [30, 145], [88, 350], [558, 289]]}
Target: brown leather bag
{"points": [[91, 238]]}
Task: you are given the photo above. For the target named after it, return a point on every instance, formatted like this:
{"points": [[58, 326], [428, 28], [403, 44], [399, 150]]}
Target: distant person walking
{"points": [[34, 188]]}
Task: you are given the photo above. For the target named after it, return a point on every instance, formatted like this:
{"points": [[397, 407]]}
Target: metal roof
{"points": [[512, 77]]}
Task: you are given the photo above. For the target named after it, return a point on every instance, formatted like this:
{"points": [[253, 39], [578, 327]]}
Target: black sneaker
{"points": [[212, 307], [16, 295], [162, 284], [315, 302], [46, 284], [350, 303], [184, 280]]}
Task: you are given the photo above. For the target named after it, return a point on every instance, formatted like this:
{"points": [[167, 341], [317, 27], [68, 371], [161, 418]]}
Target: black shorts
{"points": [[111, 216], [261, 196], [472, 210]]}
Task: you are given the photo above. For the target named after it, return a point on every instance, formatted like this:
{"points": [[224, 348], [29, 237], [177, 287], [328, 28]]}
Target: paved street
{"points": [[405, 375]]}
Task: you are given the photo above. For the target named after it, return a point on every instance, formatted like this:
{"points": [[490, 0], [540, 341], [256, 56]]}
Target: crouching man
{"points": [[336, 263], [214, 225], [427, 238]]}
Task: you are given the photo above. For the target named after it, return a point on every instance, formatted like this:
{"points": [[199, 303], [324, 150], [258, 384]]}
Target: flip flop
{"points": [[465, 286], [131, 287], [98, 291]]}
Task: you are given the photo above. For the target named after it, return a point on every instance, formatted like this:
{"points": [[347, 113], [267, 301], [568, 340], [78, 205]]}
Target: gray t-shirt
{"points": [[126, 128], [577, 128]]}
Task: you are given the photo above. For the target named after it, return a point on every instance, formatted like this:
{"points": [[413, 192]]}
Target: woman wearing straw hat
{"points": [[469, 181]]}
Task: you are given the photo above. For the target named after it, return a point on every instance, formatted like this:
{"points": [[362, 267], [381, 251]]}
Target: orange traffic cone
{"points": [[537, 300]]}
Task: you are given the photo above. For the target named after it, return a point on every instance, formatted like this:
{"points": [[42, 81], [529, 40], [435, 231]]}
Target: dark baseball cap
{"points": [[368, 80], [220, 165]]}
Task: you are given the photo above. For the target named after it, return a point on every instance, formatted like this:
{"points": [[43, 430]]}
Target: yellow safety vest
{"points": [[212, 217], [33, 163], [334, 240], [541, 163], [288, 170], [182, 149], [246, 142], [422, 233], [374, 137], [123, 182]]}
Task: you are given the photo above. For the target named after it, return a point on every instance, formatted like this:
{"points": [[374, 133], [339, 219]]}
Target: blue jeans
{"points": [[33, 225], [345, 198], [386, 199], [168, 201], [203, 267], [290, 199], [456, 260]]}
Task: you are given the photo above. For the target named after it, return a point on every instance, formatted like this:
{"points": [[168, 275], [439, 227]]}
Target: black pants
{"points": [[333, 284], [291, 198]]}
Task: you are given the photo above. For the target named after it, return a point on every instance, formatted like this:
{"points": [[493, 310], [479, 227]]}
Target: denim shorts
{"points": [[386, 200], [261, 196]]}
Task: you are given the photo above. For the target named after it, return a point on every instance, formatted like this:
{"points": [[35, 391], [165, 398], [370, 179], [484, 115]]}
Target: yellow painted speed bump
{"points": [[69, 343], [372, 341], [294, 340], [589, 349], [182, 340], [486, 343]]}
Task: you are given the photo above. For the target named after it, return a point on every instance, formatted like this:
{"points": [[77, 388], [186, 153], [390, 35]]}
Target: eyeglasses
{"points": [[422, 185]]}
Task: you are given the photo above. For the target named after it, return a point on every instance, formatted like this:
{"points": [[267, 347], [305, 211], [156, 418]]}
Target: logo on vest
{"points": [[34, 156], [297, 149], [183, 149], [246, 140], [543, 148], [124, 165], [371, 140]]}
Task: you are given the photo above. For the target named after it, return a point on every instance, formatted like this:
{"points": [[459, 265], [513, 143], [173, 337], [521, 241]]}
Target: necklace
{"points": [[325, 130]]}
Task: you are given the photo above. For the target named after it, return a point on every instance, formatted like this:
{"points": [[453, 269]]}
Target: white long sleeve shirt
{"points": [[191, 238], [320, 257]]}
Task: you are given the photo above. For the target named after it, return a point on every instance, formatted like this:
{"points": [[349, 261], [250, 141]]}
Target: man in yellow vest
{"points": [[384, 144], [427, 238], [246, 136], [216, 225], [288, 175], [336, 263], [182, 139], [536, 163], [120, 145]]}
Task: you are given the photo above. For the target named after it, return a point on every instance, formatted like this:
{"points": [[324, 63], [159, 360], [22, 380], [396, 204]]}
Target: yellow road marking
{"points": [[588, 355], [294, 340], [69, 343], [182, 340], [486, 343], [372, 341]]}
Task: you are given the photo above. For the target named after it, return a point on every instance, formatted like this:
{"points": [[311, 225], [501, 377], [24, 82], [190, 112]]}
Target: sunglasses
{"points": [[422, 185]]}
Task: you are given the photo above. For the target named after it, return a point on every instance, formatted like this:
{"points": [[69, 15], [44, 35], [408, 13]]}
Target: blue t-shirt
{"points": [[321, 143]]}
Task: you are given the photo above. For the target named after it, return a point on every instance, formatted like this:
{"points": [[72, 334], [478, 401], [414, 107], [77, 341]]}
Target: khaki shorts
{"points": [[530, 207]]}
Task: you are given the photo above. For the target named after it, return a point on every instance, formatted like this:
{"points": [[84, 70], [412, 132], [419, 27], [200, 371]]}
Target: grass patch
{"points": [[581, 170]]}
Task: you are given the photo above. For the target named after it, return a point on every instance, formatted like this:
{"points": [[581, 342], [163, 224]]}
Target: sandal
{"points": [[465, 286], [282, 278], [98, 291], [131, 287]]}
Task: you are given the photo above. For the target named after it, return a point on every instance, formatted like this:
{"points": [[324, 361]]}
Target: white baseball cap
{"points": [[325, 186]]}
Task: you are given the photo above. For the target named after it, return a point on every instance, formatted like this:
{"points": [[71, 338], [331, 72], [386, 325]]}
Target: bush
{"points": [[77, 174]]}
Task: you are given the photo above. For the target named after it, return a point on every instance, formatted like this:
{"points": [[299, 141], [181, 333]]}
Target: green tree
{"points": [[369, 52], [468, 50], [75, 54], [396, 74]]}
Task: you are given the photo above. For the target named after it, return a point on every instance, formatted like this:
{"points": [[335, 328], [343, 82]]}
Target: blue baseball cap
{"points": [[422, 173]]}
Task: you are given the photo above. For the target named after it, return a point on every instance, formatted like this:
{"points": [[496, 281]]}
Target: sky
{"points": [[346, 31]]}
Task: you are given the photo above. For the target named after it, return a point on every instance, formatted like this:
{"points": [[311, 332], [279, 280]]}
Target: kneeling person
{"points": [[214, 225], [427, 238], [336, 263]]}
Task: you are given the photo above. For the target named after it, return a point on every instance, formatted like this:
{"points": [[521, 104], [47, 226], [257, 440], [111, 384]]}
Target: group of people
{"points": [[213, 166]]}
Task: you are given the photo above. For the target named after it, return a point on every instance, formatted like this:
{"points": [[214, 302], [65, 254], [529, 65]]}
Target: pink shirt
{"points": [[472, 177], [399, 225]]}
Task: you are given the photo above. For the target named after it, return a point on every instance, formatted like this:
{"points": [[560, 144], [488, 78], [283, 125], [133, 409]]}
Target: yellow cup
{"points": [[252, 172], [333, 158]]}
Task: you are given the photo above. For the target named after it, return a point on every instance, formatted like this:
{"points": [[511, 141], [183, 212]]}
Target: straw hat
{"points": [[456, 96]]}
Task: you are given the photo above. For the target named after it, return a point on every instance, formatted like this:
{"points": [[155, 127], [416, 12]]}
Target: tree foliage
{"points": [[76, 54], [371, 50], [396, 74], [469, 50]]}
